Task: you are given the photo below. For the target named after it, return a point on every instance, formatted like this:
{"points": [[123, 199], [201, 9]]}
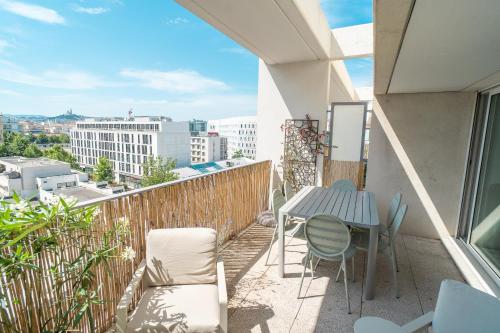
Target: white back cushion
{"points": [[181, 256]]}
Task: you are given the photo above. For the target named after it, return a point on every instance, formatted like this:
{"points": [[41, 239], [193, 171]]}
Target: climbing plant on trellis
{"points": [[303, 143]]}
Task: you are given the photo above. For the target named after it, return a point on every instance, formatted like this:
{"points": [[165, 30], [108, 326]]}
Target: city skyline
{"points": [[101, 58]]}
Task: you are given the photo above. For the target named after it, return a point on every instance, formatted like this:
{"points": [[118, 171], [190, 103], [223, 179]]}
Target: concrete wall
{"points": [[289, 91], [434, 129]]}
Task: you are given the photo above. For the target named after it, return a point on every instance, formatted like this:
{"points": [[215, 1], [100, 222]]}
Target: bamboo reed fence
{"points": [[335, 170], [227, 201]]}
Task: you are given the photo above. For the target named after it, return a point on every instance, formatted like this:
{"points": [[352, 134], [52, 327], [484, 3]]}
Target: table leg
{"points": [[372, 263], [281, 244]]}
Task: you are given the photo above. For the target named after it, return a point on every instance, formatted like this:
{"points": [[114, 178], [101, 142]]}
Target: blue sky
{"points": [[103, 57]]}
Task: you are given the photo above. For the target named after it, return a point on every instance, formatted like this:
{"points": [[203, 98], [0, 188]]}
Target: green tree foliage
{"points": [[32, 151], [103, 170], [19, 144], [237, 154], [157, 171], [4, 150], [57, 152], [42, 139]]}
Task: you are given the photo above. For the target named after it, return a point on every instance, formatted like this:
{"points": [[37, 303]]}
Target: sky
{"points": [[104, 57]]}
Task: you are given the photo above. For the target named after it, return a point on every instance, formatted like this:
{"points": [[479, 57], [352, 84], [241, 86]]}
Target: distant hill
{"points": [[63, 118]]}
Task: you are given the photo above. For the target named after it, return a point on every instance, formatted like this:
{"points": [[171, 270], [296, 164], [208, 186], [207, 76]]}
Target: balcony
{"points": [[259, 301]]}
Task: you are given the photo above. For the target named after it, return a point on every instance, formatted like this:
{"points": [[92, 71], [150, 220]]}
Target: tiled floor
{"points": [[262, 302]]}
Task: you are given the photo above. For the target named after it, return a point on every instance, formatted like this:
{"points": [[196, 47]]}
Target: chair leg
{"points": [[338, 274], [394, 269], [353, 275], [346, 288], [317, 264], [271, 244], [303, 273], [312, 266], [395, 258]]}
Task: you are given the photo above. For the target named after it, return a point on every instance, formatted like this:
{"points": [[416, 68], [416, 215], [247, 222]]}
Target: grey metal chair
{"points": [[391, 213], [361, 240], [343, 185], [328, 238], [459, 309], [289, 192], [292, 227]]}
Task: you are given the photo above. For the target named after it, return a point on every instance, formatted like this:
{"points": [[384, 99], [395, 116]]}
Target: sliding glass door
{"points": [[483, 225]]}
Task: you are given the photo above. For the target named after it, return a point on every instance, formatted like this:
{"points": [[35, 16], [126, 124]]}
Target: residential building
{"points": [[208, 148], [10, 124], [1, 127], [198, 127], [214, 166], [241, 134], [19, 174], [128, 143]]}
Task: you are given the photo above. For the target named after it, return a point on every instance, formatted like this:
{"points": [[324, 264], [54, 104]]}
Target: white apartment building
{"points": [[241, 134], [128, 142], [19, 174], [208, 148]]}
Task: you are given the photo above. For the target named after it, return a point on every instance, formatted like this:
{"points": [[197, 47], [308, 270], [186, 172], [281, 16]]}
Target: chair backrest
{"points": [[461, 308], [289, 192], [398, 220], [327, 236], [393, 208], [181, 256], [278, 202], [344, 185]]}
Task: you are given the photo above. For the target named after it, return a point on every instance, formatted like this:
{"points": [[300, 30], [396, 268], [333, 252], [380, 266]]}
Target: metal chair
{"points": [[361, 240], [343, 185], [459, 309], [292, 227], [328, 238], [289, 192]]}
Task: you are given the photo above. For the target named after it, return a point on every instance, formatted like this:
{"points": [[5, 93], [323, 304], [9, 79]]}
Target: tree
{"points": [[157, 171], [103, 170], [19, 145], [32, 151], [237, 154], [58, 153], [42, 139], [4, 150]]}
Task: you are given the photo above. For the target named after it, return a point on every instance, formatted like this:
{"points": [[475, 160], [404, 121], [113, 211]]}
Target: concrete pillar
{"points": [[290, 91]]}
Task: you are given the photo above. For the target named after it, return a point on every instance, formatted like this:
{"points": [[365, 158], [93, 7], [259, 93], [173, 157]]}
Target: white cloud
{"points": [[91, 10], [236, 50], [177, 20], [9, 92], [57, 79], [34, 12], [177, 81]]}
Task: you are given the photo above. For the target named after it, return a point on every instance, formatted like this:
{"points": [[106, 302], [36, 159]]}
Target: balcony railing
{"points": [[227, 200]]}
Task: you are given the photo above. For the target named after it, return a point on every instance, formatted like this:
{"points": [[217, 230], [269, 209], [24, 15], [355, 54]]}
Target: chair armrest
{"points": [[122, 307], [419, 323], [221, 286]]}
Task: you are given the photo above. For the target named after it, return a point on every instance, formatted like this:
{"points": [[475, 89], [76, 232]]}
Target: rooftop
{"points": [[30, 162], [80, 193]]}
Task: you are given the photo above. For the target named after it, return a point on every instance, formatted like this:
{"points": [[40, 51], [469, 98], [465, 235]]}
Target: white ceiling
{"points": [[278, 31], [449, 45]]}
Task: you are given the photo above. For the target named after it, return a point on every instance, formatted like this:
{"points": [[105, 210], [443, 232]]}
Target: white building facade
{"points": [[208, 148], [241, 134], [128, 143]]}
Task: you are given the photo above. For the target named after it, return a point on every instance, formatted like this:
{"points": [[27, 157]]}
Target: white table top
{"points": [[354, 208]]}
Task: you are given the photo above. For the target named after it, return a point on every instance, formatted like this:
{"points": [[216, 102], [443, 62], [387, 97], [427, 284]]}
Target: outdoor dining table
{"points": [[355, 208]]}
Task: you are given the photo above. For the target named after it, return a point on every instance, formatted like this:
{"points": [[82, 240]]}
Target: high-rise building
{"points": [[128, 143], [198, 127], [241, 134], [208, 148]]}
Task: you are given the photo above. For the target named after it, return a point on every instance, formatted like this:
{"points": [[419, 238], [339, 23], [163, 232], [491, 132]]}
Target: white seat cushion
{"points": [[183, 308], [181, 256]]}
